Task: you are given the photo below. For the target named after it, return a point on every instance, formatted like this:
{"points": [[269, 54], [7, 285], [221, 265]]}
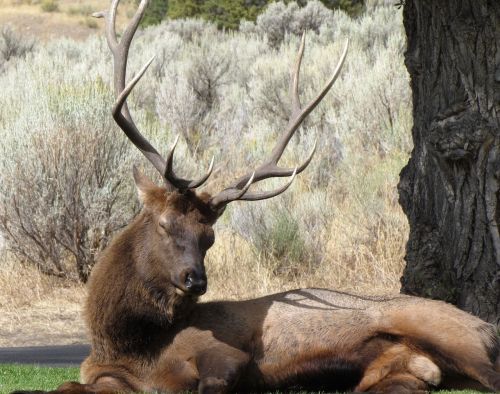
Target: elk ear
{"points": [[145, 187]]}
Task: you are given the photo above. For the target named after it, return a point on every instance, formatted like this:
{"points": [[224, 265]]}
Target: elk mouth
{"points": [[191, 289], [179, 291], [188, 293]]}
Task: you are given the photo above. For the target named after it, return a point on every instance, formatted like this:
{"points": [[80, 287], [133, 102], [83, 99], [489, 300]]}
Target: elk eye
{"points": [[179, 245], [168, 224]]}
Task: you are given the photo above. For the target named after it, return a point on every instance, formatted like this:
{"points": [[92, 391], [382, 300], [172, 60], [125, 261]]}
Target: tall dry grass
{"points": [[363, 241]]}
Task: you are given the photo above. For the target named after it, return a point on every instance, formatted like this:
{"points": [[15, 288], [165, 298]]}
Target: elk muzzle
{"points": [[192, 281]]}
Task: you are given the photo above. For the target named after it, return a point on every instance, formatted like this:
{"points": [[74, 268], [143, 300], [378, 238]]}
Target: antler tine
{"points": [[270, 168], [231, 194], [110, 27], [298, 114], [294, 83], [255, 196], [120, 111], [313, 103], [179, 183]]}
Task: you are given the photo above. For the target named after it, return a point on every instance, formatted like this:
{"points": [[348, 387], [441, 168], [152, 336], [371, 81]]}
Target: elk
{"points": [[149, 333]]}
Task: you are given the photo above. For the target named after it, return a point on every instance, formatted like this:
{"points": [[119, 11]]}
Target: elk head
{"points": [[182, 218]]}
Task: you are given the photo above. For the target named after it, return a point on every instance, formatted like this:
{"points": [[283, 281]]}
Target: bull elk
{"points": [[149, 333]]}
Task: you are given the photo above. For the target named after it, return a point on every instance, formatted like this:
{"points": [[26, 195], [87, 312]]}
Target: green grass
{"points": [[29, 377], [459, 392]]}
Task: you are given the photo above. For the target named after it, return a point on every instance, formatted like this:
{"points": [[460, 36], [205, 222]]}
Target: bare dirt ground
{"points": [[43, 323], [36, 310]]}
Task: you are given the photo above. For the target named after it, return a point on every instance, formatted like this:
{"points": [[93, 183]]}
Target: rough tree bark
{"points": [[450, 188]]}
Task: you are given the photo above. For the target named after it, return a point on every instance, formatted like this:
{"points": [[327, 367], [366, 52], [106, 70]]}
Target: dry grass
{"points": [[364, 250], [72, 19]]}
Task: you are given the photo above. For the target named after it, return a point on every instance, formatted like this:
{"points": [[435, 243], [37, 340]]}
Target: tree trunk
{"points": [[450, 188]]}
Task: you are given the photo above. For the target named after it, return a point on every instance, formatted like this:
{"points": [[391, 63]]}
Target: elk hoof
{"points": [[424, 369]]}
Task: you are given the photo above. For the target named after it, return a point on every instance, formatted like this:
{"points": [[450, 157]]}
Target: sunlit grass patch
{"points": [[29, 377]]}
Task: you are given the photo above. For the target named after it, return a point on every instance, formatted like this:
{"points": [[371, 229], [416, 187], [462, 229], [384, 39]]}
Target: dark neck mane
{"points": [[127, 313]]}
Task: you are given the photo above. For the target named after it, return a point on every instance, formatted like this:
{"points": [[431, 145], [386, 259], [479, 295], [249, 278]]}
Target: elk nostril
{"points": [[188, 282]]}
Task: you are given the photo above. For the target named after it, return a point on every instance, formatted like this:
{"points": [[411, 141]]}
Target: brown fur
{"points": [[146, 336]]}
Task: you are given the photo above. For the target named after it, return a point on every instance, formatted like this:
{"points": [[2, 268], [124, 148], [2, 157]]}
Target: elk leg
{"points": [[469, 347], [399, 366], [401, 383], [219, 369], [103, 385]]}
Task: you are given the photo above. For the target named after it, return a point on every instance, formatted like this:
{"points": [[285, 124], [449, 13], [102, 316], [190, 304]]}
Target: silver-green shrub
{"points": [[63, 185], [13, 46], [280, 19]]}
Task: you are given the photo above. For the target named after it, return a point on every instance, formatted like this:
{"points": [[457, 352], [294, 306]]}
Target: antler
{"points": [[120, 111], [238, 190]]}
